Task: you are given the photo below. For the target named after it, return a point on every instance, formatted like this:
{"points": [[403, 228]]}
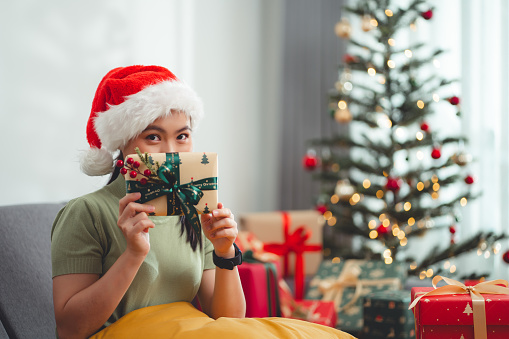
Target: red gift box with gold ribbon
{"points": [[459, 311], [296, 236], [315, 311]]}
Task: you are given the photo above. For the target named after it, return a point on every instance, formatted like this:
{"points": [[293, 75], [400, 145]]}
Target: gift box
{"points": [[346, 282], [182, 183], [296, 236], [386, 315], [261, 291], [316, 311], [459, 311]]}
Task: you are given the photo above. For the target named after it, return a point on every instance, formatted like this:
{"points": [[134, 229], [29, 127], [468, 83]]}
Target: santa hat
{"points": [[127, 100]]}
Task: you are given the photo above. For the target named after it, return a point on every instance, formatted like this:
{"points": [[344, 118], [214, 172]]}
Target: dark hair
{"points": [[191, 236]]}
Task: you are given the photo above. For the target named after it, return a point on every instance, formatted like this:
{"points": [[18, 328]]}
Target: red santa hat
{"points": [[127, 100]]}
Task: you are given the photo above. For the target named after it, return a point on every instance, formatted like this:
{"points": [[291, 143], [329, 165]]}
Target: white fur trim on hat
{"points": [[95, 162], [123, 122]]}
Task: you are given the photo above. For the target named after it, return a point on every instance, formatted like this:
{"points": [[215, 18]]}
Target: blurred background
{"points": [[263, 69]]}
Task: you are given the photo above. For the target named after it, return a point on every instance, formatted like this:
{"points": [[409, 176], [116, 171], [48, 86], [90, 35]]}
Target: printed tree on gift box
{"points": [[392, 170], [204, 159]]}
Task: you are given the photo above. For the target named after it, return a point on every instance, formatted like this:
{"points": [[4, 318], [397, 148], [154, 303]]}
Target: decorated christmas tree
{"points": [[393, 170]]}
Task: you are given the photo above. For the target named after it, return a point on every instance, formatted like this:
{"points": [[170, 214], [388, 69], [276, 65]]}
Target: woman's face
{"points": [[164, 135]]}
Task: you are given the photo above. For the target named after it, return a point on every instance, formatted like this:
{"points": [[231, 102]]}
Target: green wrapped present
{"points": [[346, 283], [386, 315]]}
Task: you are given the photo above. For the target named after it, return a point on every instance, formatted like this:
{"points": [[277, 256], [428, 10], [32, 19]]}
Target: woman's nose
{"points": [[168, 147]]}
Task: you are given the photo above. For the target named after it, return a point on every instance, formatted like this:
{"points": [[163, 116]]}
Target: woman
{"points": [[111, 261]]}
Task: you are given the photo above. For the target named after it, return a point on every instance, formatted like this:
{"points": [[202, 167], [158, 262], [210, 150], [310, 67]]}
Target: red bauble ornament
{"points": [[133, 174], [147, 172], [435, 153], [309, 161], [454, 100], [382, 230], [120, 163], [469, 179], [321, 208], [349, 59], [427, 15], [136, 164], [130, 161], [425, 127], [452, 229], [143, 181], [123, 171], [505, 257], [393, 184]]}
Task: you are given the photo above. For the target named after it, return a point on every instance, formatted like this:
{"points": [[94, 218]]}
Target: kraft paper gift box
{"points": [[296, 236], [457, 315], [346, 283], [386, 315], [182, 183]]}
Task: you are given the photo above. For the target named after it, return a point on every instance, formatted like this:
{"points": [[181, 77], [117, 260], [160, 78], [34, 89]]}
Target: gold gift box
{"points": [[173, 177]]}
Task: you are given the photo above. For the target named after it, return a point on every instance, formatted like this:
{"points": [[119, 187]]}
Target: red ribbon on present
{"points": [[293, 242]]}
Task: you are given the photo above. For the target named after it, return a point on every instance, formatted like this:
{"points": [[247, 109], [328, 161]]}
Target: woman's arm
{"points": [[220, 292], [84, 302]]}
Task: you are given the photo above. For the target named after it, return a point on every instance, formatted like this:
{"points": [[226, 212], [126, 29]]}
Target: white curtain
{"points": [[485, 97], [54, 53]]}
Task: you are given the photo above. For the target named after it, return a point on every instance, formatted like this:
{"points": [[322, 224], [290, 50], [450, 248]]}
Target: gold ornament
{"points": [[461, 159], [343, 115], [344, 190], [366, 24], [343, 29]]}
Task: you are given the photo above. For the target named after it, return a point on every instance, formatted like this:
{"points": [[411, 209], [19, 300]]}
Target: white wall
{"points": [[54, 53]]}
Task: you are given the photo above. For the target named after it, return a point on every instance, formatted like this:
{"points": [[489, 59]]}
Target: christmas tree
{"points": [[392, 171]]}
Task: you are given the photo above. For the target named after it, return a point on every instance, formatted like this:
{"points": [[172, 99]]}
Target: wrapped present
{"points": [[346, 282], [459, 311], [386, 315], [261, 291], [248, 242], [316, 311], [175, 183], [296, 236]]}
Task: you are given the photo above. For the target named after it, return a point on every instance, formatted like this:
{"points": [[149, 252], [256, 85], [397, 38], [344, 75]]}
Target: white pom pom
{"points": [[96, 161]]}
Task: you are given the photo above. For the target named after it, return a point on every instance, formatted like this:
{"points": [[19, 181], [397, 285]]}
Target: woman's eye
{"points": [[183, 137], [153, 137]]}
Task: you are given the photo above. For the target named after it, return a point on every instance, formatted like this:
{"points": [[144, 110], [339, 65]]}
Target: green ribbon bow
{"points": [[182, 198]]}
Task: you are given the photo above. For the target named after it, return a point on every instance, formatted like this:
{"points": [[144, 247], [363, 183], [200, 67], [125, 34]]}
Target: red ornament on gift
{"points": [[425, 127], [435, 153], [469, 180], [427, 15], [393, 184], [454, 100], [120, 163], [310, 161]]}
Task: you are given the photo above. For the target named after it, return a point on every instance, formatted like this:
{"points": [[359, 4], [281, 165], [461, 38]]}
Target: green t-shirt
{"points": [[86, 239]]}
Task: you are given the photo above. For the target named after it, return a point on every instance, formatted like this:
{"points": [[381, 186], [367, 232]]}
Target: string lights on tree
{"points": [[397, 172]]}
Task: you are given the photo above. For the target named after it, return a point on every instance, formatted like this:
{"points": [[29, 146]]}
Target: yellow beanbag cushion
{"points": [[181, 320]]}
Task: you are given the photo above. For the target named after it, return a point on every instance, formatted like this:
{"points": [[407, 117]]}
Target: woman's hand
{"points": [[134, 223], [221, 229]]}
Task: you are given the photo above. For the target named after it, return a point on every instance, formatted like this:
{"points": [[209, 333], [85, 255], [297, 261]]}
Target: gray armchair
{"points": [[26, 303]]}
